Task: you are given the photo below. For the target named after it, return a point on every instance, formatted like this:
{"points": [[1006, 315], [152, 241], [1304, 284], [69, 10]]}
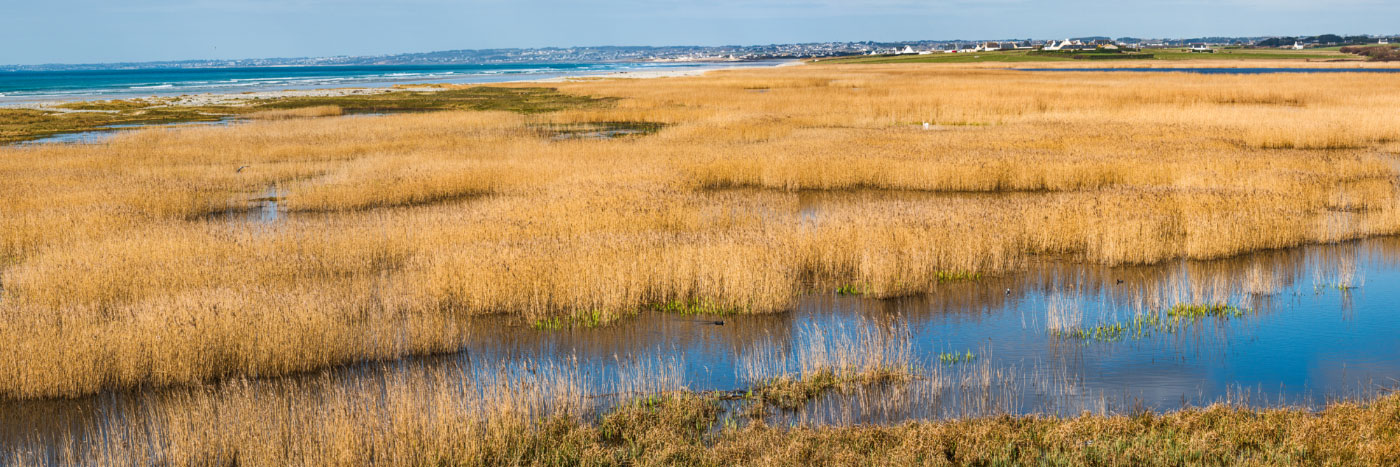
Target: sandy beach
{"points": [[242, 98]]}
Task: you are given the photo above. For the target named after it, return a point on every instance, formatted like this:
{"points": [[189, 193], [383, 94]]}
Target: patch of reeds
{"points": [[303, 112], [511, 415]]}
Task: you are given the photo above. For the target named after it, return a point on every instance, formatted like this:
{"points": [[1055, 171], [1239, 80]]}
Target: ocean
{"points": [[20, 87]]}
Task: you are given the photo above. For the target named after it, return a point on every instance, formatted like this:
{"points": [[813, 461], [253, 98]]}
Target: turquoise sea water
{"points": [[37, 86]]}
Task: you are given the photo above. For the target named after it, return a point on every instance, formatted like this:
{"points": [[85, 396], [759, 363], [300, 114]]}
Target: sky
{"points": [[102, 31]]}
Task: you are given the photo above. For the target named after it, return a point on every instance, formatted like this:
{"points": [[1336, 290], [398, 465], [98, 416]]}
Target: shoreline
{"points": [[66, 120], [373, 88]]}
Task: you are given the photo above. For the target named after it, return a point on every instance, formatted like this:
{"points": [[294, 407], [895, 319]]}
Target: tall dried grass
{"points": [[303, 112], [510, 415], [121, 266]]}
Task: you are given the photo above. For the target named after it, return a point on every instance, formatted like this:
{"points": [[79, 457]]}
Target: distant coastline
{"points": [[39, 89]]}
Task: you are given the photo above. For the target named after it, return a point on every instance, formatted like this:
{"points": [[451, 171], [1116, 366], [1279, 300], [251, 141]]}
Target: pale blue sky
{"points": [[88, 31]]}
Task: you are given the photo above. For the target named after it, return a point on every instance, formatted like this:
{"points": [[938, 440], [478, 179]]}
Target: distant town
{"points": [[744, 53]]}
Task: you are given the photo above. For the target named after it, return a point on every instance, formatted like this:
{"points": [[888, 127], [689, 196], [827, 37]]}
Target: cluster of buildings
{"points": [[748, 52], [1067, 45], [1203, 45]]}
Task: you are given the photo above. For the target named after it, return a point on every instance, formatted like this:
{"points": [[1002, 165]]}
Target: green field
{"points": [[977, 57], [1254, 54], [1158, 54]]}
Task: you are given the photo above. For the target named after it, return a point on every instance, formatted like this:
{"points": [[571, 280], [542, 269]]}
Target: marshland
{"points": [[840, 263]]}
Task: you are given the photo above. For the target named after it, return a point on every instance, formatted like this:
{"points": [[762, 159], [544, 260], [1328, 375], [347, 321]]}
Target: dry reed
{"points": [[303, 112]]}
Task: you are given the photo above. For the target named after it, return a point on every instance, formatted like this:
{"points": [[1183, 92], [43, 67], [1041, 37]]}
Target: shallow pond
{"points": [[1292, 327], [105, 133]]}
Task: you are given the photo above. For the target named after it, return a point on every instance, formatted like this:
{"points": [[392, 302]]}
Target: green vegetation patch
{"points": [[26, 124], [667, 430], [1149, 324], [953, 358], [790, 392], [18, 124], [1376, 53], [600, 130], [853, 290], [522, 100], [115, 105], [1054, 56], [697, 306], [659, 422], [1190, 310], [902, 286], [974, 57], [1248, 54], [1101, 333], [581, 319]]}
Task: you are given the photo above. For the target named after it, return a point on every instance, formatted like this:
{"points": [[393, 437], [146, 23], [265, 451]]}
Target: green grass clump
{"points": [[853, 290], [955, 276], [1187, 310], [1101, 333], [950, 358], [1146, 325], [697, 306], [791, 392]]}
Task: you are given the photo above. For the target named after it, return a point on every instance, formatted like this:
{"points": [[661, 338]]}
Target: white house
{"points": [[1297, 45], [1062, 44]]}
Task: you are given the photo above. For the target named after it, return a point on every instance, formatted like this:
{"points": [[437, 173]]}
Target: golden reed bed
{"points": [[122, 265]]}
